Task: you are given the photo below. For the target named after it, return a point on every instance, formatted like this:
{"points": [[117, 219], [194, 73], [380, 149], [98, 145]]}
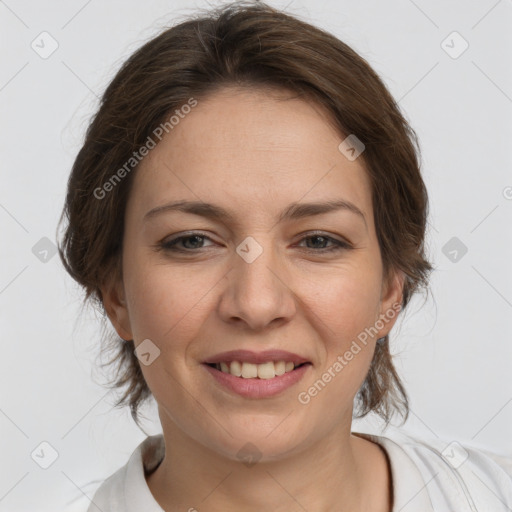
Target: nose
{"points": [[258, 291]]}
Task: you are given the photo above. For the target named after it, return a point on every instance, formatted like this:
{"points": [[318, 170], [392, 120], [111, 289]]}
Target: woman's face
{"points": [[272, 275]]}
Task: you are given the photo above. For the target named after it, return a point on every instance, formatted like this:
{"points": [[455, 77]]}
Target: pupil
{"points": [[196, 237], [318, 237]]}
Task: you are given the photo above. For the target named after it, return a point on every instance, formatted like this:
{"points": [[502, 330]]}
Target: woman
{"points": [[248, 210]]}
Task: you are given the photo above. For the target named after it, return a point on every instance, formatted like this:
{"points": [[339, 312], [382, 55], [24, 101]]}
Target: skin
{"points": [[254, 154]]}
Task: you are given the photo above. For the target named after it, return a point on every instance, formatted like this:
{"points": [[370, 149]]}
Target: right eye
{"points": [[196, 238]]}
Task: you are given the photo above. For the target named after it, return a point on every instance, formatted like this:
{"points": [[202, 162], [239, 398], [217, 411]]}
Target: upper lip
{"points": [[248, 356]]}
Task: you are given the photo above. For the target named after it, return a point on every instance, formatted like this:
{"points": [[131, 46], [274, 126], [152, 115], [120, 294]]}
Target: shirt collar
{"points": [[410, 492]]}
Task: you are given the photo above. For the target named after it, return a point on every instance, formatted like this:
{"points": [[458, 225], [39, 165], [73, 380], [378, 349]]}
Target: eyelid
{"points": [[324, 234]]}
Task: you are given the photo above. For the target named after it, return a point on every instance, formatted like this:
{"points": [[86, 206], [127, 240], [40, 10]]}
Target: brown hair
{"points": [[251, 45]]}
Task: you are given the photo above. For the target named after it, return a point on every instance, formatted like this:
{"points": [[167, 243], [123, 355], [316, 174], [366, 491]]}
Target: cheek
{"points": [[346, 303], [160, 301], [343, 311], [168, 308], [167, 303]]}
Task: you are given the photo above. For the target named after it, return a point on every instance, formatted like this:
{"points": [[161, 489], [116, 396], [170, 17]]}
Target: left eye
{"points": [[197, 239], [338, 245]]}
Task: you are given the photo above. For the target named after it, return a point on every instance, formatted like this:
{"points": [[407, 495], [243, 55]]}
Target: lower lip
{"points": [[258, 388]]}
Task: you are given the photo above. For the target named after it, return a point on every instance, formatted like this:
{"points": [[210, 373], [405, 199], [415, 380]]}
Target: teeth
{"points": [[249, 371], [235, 369], [267, 370], [280, 367]]}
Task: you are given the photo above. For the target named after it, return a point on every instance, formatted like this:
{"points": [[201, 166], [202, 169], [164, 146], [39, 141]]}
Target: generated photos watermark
{"points": [[304, 397], [137, 156]]}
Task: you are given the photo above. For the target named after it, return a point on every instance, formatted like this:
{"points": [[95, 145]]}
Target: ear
{"points": [[114, 302], [390, 301]]}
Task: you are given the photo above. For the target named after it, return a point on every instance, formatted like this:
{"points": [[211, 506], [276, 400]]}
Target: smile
{"points": [[257, 380], [246, 370]]}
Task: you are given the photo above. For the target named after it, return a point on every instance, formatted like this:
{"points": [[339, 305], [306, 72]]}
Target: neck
{"points": [[340, 472]]}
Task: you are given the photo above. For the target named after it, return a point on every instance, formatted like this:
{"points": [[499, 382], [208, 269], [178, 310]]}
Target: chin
{"points": [[258, 443]]}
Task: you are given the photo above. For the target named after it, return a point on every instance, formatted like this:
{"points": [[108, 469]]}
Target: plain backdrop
{"points": [[453, 350]]}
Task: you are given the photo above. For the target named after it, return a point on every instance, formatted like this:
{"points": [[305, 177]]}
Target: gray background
{"points": [[453, 351]]}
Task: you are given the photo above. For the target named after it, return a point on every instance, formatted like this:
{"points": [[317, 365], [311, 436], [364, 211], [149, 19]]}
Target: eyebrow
{"points": [[294, 211]]}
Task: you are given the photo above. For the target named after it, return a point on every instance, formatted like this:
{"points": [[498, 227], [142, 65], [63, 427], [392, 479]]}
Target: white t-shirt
{"points": [[428, 476]]}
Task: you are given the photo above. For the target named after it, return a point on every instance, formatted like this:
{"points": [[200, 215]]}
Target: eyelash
{"points": [[339, 245]]}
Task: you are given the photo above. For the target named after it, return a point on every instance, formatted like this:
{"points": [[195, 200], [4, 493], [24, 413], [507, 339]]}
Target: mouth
{"points": [[265, 371], [256, 374], [249, 364]]}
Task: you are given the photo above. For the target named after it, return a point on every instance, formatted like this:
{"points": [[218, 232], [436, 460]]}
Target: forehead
{"points": [[251, 149]]}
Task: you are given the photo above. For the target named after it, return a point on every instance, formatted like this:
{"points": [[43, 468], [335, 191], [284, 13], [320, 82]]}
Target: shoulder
{"points": [[454, 474], [110, 493], [126, 489]]}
